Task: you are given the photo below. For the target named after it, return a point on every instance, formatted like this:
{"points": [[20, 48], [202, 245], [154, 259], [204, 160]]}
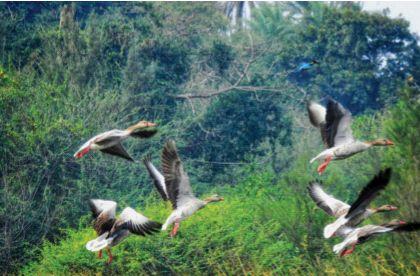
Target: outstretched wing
{"points": [[368, 232], [380, 229], [326, 202], [136, 223], [103, 211], [118, 150], [407, 227], [369, 192], [158, 179], [317, 117], [144, 133], [338, 124], [177, 181]]}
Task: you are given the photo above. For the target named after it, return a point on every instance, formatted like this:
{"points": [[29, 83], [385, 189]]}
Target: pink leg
{"points": [[174, 229], [100, 254], [324, 165], [109, 255], [347, 251]]}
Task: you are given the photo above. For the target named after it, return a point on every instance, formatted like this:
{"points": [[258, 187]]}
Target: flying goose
{"points": [[111, 231], [174, 185], [335, 125], [110, 141], [365, 233], [350, 216]]}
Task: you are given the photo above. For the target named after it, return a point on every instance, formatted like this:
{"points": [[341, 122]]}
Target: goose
{"points": [[365, 233], [110, 141], [335, 125], [174, 185], [350, 216], [112, 231]]}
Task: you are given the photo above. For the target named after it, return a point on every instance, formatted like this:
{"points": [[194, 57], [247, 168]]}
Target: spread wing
{"points": [[379, 229], [338, 124], [158, 179], [136, 223], [326, 202], [407, 227], [177, 181], [103, 211], [144, 133], [317, 117], [369, 192], [118, 150], [369, 231]]}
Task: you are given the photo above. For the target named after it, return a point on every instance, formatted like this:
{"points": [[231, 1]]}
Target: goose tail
{"points": [[338, 248], [99, 243]]}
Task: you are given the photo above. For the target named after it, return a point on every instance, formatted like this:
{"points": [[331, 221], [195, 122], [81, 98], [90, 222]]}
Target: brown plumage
{"points": [[173, 172], [111, 231]]}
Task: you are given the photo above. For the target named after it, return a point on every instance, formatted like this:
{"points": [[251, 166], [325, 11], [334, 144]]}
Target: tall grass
{"points": [[267, 224]]}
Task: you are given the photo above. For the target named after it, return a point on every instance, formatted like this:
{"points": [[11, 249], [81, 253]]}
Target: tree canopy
{"points": [[228, 95]]}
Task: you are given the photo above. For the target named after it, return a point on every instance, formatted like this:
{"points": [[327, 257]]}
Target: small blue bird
{"points": [[305, 66]]}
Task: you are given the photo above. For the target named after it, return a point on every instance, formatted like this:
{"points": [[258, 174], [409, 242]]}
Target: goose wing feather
{"points": [[118, 150], [317, 115], [103, 211], [338, 124], [369, 192], [176, 179], [158, 178], [326, 202], [136, 223]]}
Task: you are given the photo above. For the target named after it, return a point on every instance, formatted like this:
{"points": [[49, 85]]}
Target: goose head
{"points": [[386, 208], [214, 198], [382, 142]]}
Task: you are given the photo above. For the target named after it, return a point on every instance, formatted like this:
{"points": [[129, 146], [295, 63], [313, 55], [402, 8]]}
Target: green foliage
{"points": [[361, 54], [237, 125], [269, 226], [261, 227], [108, 65]]}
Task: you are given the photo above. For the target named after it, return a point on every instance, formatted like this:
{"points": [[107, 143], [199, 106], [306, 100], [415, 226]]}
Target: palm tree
{"points": [[236, 11]]}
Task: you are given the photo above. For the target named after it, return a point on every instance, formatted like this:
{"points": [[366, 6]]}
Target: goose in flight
{"points": [[111, 231], [174, 185], [360, 235], [335, 125], [110, 141], [346, 215]]}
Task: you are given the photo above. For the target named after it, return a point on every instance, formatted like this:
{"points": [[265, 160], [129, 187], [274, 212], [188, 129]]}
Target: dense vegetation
{"points": [[226, 94]]}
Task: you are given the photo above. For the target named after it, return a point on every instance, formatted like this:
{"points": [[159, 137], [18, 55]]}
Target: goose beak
{"points": [[393, 208], [389, 143], [222, 199]]}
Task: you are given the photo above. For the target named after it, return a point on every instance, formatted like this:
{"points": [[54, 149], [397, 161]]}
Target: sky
{"points": [[409, 10]]}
